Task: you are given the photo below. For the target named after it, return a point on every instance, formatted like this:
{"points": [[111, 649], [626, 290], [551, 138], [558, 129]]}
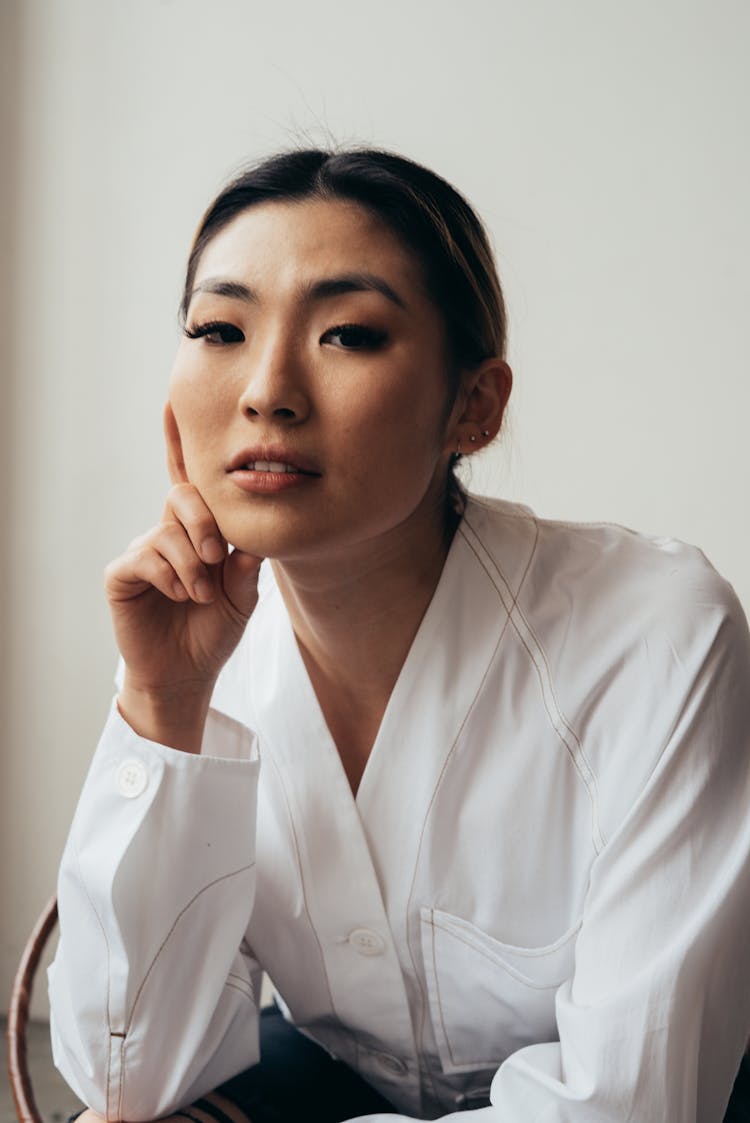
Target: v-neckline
{"points": [[418, 644], [370, 838]]}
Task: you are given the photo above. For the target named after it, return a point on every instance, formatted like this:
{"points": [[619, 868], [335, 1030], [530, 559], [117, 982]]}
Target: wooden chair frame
{"points": [[18, 1016]]}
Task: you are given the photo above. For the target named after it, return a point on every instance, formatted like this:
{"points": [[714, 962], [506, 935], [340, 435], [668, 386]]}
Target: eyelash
{"points": [[215, 327], [368, 339]]}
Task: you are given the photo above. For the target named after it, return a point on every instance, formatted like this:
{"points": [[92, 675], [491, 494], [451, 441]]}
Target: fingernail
{"points": [[212, 550], [203, 589]]}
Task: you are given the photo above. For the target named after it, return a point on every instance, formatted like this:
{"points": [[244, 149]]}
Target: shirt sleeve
{"points": [[654, 1020], [160, 856]]}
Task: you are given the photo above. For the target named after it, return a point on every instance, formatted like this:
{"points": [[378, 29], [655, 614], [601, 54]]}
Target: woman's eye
{"points": [[354, 337], [216, 332]]}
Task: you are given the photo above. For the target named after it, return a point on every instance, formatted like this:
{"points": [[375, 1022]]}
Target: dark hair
{"points": [[421, 208]]}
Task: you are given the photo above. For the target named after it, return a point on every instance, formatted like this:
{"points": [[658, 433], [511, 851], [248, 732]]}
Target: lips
{"points": [[274, 460]]}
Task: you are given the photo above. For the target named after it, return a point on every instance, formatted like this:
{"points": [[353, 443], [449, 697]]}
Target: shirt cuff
{"points": [[224, 739]]}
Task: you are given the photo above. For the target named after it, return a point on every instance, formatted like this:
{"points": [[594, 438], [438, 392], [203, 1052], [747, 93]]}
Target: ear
{"points": [[480, 407], [175, 459]]}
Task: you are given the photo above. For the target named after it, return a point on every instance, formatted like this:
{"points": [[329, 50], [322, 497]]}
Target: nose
{"points": [[275, 387]]}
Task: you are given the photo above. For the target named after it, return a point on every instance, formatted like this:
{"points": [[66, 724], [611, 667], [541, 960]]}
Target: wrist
{"points": [[173, 715]]}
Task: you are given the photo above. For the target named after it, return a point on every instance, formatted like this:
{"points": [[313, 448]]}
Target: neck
{"points": [[355, 615]]}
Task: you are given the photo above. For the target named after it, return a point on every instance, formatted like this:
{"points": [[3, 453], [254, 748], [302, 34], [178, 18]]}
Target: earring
{"points": [[485, 432], [473, 438]]}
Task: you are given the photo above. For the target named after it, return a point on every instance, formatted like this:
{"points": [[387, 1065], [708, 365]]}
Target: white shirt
{"points": [[540, 892]]}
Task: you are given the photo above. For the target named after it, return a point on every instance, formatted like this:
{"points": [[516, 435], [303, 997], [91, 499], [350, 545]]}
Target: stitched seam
{"points": [[572, 524], [555, 720], [304, 890], [191, 902], [532, 555], [539, 660], [109, 1078], [496, 960], [464, 1065], [452, 923], [82, 881], [121, 1082], [239, 980], [243, 990], [468, 1066], [436, 980], [438, 782], [487, 505], [505, 592]]}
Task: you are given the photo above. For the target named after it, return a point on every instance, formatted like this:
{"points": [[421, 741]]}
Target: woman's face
{"points": [[310, 390]]}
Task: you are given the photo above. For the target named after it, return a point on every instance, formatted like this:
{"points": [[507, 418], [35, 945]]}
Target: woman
{"points": [[501, 859]]}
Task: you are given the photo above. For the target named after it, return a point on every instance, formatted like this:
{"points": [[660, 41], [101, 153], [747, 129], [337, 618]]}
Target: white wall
{"points": [[606, 146]]}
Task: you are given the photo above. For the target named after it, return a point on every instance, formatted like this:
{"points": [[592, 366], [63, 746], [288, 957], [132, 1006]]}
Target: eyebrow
{"points": [[352, 282], [317, 290], [220, 287]]}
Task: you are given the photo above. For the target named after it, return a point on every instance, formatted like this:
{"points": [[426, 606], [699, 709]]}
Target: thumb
{"points": [[240, 579]]}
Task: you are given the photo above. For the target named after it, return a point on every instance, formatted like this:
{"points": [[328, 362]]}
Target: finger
{"points": [[186, 507], [139, 571], [241, 581], [175, 458], [172, 542]]}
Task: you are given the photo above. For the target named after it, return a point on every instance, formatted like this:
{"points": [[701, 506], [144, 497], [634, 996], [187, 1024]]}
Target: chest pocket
{"points": [[488, 999]]}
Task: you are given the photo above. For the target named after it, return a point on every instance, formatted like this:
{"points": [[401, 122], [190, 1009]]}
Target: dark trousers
{"points": [[298, 1082], [739, 1105]]}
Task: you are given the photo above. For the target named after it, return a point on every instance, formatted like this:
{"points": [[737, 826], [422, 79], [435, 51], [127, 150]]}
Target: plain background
{"points": [[606, 146]]}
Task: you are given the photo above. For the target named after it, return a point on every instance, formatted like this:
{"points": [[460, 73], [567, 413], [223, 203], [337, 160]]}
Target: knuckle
{"points": [[200, 515], [181, 489], [162, 569], [139, 553], [193, 570], [188, 503], [180, 497], [110, 572], [116, 568], [171, 534]]}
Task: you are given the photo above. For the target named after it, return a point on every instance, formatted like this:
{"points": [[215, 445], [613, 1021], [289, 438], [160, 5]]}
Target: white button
{"points": [[366, 942], [132, 778], [394, 1066]]}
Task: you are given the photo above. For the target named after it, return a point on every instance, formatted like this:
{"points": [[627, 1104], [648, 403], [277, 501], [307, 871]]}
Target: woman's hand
{"points": [[179, 602]]}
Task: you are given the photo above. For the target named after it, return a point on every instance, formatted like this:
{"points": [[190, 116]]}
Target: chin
{"points": [[266, 536]]}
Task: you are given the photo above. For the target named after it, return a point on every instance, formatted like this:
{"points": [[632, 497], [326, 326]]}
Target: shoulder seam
{"points": [[531, 642]]}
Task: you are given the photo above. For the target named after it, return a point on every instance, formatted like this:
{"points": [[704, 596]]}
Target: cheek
{"points": [[200, 409], [412, 426], [196, 375], [395, 441], [406, 398]]}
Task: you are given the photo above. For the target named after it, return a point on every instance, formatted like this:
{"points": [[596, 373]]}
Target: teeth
{"points": [[269, 466]]}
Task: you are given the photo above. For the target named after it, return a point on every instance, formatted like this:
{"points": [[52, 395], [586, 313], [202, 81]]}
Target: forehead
{"points": [[290, 242]]}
